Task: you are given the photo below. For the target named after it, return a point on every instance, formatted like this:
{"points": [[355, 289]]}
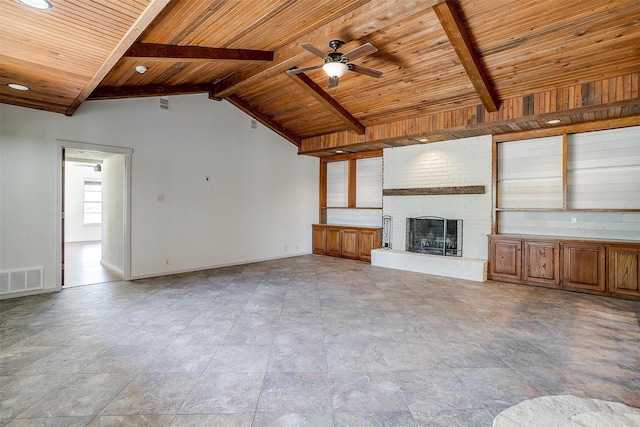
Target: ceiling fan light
{"points": [[335, 69], [38, 4]]}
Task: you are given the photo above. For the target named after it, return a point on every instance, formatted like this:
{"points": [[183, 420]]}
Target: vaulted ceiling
{"points": [[451, 68]]}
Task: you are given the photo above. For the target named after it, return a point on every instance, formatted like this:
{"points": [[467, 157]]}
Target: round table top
{"points": [[567, 410]]}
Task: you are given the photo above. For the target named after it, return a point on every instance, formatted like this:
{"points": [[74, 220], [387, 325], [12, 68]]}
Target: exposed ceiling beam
{"points": [[334, 106], [453, 25], [153, 50], [118, 92], [263, 118], [351, 26], [153, 9]]}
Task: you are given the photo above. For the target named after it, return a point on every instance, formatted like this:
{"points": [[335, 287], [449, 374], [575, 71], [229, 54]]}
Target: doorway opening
{"points": [[94, 235]]}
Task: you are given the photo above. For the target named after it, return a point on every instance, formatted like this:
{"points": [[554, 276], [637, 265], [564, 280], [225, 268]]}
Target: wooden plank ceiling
{"points": [[452, 68]]}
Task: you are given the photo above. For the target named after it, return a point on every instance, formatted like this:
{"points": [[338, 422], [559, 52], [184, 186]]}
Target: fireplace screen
{"points": [[435, 236]]}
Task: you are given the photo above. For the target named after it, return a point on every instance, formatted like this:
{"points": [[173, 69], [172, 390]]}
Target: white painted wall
{"points": [[113, 182], [74, 230], [261, 195]]}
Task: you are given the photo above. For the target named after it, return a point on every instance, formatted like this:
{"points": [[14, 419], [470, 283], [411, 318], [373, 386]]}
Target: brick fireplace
{"points": [[415, 183]]}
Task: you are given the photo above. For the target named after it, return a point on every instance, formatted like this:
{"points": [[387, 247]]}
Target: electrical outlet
{"points": [[167, 261], [160, 198], [574, 220], [285, 248]]}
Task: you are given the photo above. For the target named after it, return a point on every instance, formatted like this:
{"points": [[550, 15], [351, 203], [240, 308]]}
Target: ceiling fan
{"points": [[336, 63]]}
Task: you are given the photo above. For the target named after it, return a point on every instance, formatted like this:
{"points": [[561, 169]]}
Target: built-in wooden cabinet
{"points": [[333, 241], [350, 193], [584, 265], [346, 241], [506, 257], [541, 263], [593, 266], [349, 244], [368, 239], [623, 266], [319, 240]]}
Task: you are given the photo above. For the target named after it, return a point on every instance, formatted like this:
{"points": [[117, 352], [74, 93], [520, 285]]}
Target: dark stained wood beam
{"points": [[453, 25], [144, 20], [323, 97], [359, 23], [153, 50], [263, 118], [118, 92], [434, 191]]}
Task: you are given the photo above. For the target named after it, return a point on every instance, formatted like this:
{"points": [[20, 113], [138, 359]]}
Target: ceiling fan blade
{"points": [[365, 49], [333, 82], [311, 48], [365, 70], [294, 71]]}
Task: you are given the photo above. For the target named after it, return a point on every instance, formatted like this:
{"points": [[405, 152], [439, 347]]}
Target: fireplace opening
{"points": [[434, 236]]}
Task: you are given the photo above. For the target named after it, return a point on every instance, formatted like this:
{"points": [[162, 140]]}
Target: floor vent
{"points": [[28, 279]]}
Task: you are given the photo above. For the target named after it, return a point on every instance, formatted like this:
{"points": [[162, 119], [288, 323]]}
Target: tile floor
{"points": [[309, 340]]}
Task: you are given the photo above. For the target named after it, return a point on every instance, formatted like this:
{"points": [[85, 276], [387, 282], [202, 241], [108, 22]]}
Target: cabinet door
{"points": [[367, 241], [333, 241], [318, 239], [542, 263], [624, 270], [349, 243], [505, 260], [584, 265]]}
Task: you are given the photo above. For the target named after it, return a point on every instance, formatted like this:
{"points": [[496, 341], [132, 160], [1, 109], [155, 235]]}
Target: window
{"points": [[92, 202]]}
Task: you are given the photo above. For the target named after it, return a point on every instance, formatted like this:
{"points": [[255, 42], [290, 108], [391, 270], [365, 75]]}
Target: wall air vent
{"points": [[28, 279], [165, 104]]}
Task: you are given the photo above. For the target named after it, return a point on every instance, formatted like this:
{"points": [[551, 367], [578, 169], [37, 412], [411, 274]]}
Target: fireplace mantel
{"points": [[434, 191]]}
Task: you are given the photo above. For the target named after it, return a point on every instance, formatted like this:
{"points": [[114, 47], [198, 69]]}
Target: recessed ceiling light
{"points": [[339, 151], [553, 121], [16, 86], [423, 140], [38, 4], [141, 69]]}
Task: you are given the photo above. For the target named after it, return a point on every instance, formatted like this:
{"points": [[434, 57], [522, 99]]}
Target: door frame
{"points": [[61, 145]]}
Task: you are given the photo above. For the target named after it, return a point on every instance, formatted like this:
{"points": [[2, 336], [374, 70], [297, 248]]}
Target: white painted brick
{"points": [[460, 268], [449, 163]]}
